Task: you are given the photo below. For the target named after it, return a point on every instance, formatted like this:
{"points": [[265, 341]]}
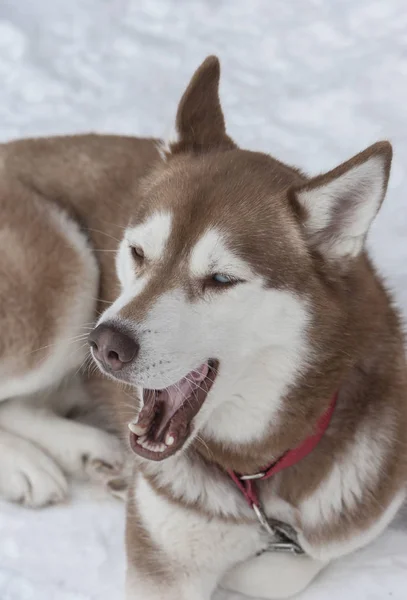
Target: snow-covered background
{"points": [[311, 81]]}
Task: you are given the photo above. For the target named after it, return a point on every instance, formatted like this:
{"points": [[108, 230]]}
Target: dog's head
{"points": [[221, 271]]}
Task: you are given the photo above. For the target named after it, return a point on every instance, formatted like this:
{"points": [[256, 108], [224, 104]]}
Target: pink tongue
{"points": [[175, 395]]}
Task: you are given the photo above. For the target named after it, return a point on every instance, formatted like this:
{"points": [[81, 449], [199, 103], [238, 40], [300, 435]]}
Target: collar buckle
{"points": [[283, 537]]}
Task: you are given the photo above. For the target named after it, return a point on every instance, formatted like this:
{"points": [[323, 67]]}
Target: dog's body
{"points": [[51, 277], [247, 303]]}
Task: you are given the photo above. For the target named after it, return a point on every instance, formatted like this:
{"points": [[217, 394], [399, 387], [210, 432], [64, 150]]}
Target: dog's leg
{"points": [[272, 576], [80, 450], [27, 474]]}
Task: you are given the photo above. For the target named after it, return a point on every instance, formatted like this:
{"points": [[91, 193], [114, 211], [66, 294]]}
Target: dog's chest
{"points": [[192, 538]]}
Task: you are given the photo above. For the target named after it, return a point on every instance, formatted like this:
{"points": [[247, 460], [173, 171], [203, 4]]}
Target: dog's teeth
{"points": [[147, 444], [137, 429], [159, 447], [156, 447], [169, 439], [152, 446]]}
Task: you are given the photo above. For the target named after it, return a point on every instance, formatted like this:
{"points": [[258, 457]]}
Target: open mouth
{"points": [[164, 423]]}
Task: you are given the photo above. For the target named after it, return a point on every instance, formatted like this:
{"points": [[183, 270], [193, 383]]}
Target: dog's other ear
{"points": [[200, 124], [338, 208]]}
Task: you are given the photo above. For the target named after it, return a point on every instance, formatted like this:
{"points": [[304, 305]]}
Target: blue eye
{"points": [[222, 278], [220, 281]]}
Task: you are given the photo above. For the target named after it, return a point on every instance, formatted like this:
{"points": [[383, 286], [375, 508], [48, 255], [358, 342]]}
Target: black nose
{"points": [[112, 346]]}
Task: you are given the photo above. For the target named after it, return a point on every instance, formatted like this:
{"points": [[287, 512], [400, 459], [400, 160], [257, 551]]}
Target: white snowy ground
{"points": [[310, 81]]}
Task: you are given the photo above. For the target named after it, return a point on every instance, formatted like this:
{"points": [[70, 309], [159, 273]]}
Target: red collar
{"points": [[246, 483]]}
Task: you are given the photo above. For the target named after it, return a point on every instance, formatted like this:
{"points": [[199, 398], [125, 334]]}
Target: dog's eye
{"points": [[220, 281], [137, 253], [223, 280]]}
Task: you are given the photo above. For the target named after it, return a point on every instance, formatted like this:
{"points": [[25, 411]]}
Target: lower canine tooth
{"points": [[169, 439]]}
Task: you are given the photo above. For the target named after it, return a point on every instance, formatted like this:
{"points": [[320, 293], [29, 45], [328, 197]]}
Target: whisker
{"points": [[100, 300], [104, 233], [83, 366], [204, 444], [103, 250], [114, 224]]}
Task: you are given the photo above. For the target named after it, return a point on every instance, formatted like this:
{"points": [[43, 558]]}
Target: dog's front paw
{"points": [[101, 455], [108, 469], [27, 475]]}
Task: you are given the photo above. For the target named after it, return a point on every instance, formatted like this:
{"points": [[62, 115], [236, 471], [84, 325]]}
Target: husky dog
{"points": [[249, 344]]}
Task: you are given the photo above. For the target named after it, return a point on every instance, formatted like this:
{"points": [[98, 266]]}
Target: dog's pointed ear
{"points": [[338, 208], [200, 125]]}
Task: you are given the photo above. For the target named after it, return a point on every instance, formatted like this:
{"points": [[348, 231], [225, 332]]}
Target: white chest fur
{"points": [[191, 538]]}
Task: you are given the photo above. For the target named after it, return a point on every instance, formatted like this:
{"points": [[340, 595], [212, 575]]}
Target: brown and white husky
{"points": [[248, 319]]}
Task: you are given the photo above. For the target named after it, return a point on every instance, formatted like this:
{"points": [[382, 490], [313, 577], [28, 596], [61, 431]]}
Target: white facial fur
{"points": [[211, 255], [152, 236], [257, 334]]}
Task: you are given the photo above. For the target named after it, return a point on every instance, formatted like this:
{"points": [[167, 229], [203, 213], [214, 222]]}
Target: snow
{"points": [[310, 81]]}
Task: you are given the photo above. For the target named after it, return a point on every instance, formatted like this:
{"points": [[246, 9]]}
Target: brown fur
{"points": [[35, 289]]}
